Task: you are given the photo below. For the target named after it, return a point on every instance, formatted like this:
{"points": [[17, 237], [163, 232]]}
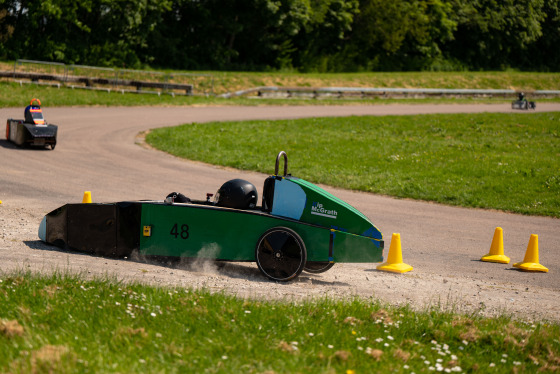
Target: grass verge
{"points": [[498, 161], [65, 324], [224, 81], [523, 81], [16, 95]]}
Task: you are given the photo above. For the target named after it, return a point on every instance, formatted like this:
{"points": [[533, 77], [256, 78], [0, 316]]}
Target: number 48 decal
{"points": [[182, 231]]}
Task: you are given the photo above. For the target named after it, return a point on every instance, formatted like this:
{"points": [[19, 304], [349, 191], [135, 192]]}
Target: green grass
{"points": [[16, 95], [508, 162], [234, 81], [65, 324], [231, 81]]}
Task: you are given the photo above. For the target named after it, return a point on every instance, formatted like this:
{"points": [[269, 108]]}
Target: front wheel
{"points": [[280, 254]]}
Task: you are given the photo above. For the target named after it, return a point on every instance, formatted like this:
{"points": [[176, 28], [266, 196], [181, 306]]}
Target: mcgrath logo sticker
{"points": [[318, 209]]}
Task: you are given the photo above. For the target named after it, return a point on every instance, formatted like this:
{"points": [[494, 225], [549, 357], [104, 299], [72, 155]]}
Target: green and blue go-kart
{"points": [[299, 227], [523, 103]]}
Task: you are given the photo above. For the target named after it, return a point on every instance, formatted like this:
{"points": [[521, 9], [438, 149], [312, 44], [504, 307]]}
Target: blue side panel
{"points": [[373, 232], [289, 199]]}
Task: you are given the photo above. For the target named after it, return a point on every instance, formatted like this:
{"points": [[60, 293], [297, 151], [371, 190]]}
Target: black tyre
{"points": [[316, 267], [280, 254]]}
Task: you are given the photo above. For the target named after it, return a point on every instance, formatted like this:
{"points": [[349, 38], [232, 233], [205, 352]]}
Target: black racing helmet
{"points": [[237, 194]]}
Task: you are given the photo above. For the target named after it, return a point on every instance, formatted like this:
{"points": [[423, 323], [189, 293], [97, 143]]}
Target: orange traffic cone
{"points": [[87, 197], [497, 248], [394, 262], [531, 260]]}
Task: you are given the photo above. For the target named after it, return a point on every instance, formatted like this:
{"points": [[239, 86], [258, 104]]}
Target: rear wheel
{"points": [[316, 267], [280, 254]]}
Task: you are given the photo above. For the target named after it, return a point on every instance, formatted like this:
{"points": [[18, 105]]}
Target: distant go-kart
{"points": [[522, 103], [32, 130], [299, 227]]}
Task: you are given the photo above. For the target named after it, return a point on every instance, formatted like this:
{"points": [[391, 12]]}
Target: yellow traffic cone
{"points": [[531, 260], [87, 197], [394, 262], [497, 248]]}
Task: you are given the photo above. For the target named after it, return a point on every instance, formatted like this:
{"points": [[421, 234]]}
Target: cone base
{"points": [[394, 268], [502, 259], [530, 266]]}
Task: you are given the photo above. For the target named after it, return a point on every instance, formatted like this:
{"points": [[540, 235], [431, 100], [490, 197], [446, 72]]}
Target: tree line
{"points": [[304, 35]]}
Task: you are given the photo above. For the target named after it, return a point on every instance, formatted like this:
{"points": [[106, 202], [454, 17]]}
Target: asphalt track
{"points": [[97, 151]]}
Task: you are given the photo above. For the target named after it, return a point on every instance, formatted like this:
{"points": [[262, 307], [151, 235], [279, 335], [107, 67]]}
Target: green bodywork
{"points": [[331, 229]]}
